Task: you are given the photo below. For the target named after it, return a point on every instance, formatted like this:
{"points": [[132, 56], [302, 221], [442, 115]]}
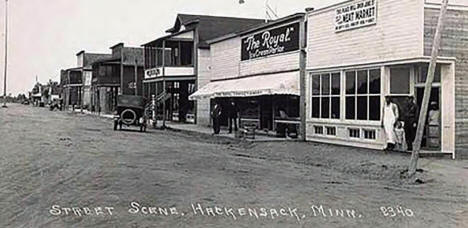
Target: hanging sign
{"points": [[356, 15], [274, 41]]}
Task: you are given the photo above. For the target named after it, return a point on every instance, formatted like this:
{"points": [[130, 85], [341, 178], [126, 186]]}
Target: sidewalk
{"points": [[107, 116], [209, 131]]}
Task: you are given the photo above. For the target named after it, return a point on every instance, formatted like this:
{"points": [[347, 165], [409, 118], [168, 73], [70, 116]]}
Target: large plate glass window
{"points": [[326, 95], [362, 100], [400, 80]]}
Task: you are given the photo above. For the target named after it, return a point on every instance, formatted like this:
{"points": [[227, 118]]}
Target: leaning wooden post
{"points": [[427, 90]]}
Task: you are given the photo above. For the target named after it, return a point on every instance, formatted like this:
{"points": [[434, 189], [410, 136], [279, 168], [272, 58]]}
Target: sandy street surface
{"points": [[70, 170]]}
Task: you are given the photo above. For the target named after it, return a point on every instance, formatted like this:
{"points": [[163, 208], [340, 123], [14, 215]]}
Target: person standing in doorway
{"points": [[233, 114], [434, 114], [215, 115], [411, 122], [390, 117]]}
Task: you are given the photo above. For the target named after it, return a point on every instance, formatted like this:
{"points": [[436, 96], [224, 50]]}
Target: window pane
{"points": [[423, 74], [350, 108], [374, 81], [325, 84], [325, 107], [315, 84], [362, 82], [374, 108], [350, 82], [362, 108], [335, 106], [336, 84], [399, 80], [315, 107]]}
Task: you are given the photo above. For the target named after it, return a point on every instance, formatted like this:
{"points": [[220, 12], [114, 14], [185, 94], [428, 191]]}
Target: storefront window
{"points": [[326, 96], [363, 95], [422, 74], [400, 81]]}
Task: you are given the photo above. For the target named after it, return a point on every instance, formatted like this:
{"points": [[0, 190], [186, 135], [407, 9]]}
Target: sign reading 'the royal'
{"points": [[356, 15], [274, 41]]}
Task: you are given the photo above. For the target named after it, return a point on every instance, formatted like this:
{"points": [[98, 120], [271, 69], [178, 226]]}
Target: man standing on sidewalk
{"points": [[411, 122], [233, 114], [216, 114]]}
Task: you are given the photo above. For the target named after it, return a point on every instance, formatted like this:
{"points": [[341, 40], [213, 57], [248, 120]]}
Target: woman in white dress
{"points": [[390, 117]]}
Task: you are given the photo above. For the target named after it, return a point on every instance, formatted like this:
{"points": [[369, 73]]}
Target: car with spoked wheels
{"points": [[130, 111]]}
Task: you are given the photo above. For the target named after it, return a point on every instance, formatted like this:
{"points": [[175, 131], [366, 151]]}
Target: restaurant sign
{"points": [[356, 15], [274, 41]]}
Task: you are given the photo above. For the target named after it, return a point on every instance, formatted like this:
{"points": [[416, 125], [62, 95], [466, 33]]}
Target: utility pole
{"points": [[6, 55], [164, 83], [427, 90], [136, 76]]}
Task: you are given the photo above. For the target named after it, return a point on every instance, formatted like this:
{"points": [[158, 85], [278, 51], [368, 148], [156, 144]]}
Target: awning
{"points": [[271, 84]]}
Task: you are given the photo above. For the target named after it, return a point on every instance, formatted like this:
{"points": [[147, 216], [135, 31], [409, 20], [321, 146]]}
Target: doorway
{"points": [[432, 133]]}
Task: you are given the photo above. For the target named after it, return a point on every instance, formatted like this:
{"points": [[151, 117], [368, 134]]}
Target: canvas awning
{"points": [[271, 84]]}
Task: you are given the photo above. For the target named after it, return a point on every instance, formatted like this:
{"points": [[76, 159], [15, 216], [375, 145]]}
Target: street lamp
{"points": [[6, 54]]}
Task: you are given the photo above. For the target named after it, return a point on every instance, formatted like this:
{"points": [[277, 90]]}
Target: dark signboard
{"points": [[274, 41]]}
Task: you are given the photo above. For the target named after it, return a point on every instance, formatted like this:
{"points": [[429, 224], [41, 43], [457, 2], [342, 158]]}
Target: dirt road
{"points": [[69, 170]]}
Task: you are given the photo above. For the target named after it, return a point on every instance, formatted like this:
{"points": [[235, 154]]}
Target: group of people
{"points": [[232, 113], [400, 131]]}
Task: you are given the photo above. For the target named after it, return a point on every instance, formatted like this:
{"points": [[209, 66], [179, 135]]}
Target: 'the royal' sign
{"points": [[275, 41], [356, 15]]}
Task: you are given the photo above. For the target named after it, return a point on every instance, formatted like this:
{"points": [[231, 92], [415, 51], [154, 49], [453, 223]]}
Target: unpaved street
{"points": [[71, 170]]}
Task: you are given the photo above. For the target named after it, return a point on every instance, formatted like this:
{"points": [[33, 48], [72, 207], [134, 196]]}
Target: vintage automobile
{"points": [[130, 111]]}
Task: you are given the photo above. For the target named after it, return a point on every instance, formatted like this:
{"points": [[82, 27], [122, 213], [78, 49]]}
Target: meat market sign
{"points": [[275, 41], [356, 15]]}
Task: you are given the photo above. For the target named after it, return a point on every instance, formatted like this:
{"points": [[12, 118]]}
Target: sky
{"points": [[45, 35]]}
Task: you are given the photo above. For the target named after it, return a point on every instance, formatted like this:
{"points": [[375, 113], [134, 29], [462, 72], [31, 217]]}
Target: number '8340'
{"points": [[396, 211]]}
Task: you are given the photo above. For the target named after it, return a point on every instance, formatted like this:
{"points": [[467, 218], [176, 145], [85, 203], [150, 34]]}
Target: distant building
{"points": [[75, 83], [186, 63], [120, 73]]}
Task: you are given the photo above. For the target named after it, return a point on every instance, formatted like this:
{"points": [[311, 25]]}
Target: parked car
{"points": [[130, 111]]}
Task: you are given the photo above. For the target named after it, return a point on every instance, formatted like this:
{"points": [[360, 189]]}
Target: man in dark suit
{"points": [[411, 122], [233, 114], [216, 114]]}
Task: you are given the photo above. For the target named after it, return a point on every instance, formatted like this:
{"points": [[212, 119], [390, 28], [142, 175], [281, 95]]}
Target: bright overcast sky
{"points": [[45, 35]]}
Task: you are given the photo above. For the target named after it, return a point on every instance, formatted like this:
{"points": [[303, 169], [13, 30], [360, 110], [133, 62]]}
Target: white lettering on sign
{"points": [[274, 41], [152, 72], [356, 15]]}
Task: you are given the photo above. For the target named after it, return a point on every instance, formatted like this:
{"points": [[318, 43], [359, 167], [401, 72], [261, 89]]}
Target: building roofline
{"points": [[168, 36], [256, 28], [119, 44]]}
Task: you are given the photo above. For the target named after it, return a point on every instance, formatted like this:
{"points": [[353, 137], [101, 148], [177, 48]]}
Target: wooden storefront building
{"points": [[259, 69], [361, 51], [186, 62]]}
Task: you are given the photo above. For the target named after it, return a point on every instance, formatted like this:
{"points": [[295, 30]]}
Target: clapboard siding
{"points": [[454, 43], [225, 58], [203, 78], [282, 62], [397, 34]]}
